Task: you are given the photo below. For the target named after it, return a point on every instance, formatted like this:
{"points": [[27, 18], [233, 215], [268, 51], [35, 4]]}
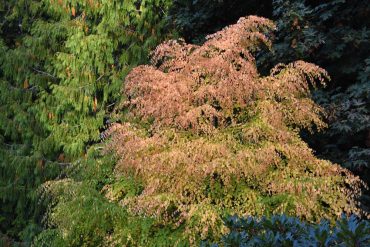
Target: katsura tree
{"points": [[204, 135]]}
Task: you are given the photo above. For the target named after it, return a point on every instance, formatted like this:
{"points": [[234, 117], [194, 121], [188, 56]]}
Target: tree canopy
{"points": [[148, 122]]}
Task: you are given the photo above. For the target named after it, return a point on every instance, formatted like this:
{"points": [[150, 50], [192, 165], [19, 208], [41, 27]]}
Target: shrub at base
{"points": [[281, 230]]}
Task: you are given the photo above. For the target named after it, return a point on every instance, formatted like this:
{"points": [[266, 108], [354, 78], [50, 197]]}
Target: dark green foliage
{"points": [[25, 151], [196, 19], [280, 230], [336, 36], [328, 34]]}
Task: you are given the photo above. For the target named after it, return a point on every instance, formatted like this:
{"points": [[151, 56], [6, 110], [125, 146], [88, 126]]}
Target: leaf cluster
{"points": [[61, 67], [281, 230], [223, 138]]}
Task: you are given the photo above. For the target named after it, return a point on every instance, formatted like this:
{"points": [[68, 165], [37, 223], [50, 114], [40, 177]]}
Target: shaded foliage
{"points": [[25, 152], [196, 19], [336, 36], [280, 230]]}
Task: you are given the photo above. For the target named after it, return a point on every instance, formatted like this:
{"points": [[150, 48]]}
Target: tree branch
{"points": [[44, 73]]}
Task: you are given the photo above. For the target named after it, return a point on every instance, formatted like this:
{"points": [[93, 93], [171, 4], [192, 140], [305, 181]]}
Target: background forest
{"points": [[114, 134]]}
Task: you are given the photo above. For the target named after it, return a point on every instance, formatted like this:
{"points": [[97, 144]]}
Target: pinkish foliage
{"points": [[221, 138]]}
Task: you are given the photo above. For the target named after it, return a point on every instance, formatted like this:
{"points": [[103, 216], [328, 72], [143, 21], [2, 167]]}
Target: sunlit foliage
{"points": [[206, 135], [61, 67]]}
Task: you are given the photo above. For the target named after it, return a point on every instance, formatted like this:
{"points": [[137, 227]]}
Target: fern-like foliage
{"points": [[80, 215], [336, 36], [206, 135], [61, 67]]}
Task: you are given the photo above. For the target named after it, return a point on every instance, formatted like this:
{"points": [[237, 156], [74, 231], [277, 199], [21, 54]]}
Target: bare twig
{"points": [[44, 73]]}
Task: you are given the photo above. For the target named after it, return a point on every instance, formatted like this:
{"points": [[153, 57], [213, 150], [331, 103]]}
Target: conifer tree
{"points": [[24, 153], [61, 65]]}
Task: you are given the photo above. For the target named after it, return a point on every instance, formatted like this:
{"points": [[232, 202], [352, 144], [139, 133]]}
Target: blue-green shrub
{"points": [[281, 230]]}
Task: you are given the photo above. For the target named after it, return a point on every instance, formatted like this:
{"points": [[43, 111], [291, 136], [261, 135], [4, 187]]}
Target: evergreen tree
{"points": [[25, 154], [62, 64]]}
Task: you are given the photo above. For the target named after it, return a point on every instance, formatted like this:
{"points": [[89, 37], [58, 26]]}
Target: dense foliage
{"points": [[79, 215], [336, 36], [280, 230], [196, 19], [62, 64], [225, 136], [332, 34], [25, 151]]}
